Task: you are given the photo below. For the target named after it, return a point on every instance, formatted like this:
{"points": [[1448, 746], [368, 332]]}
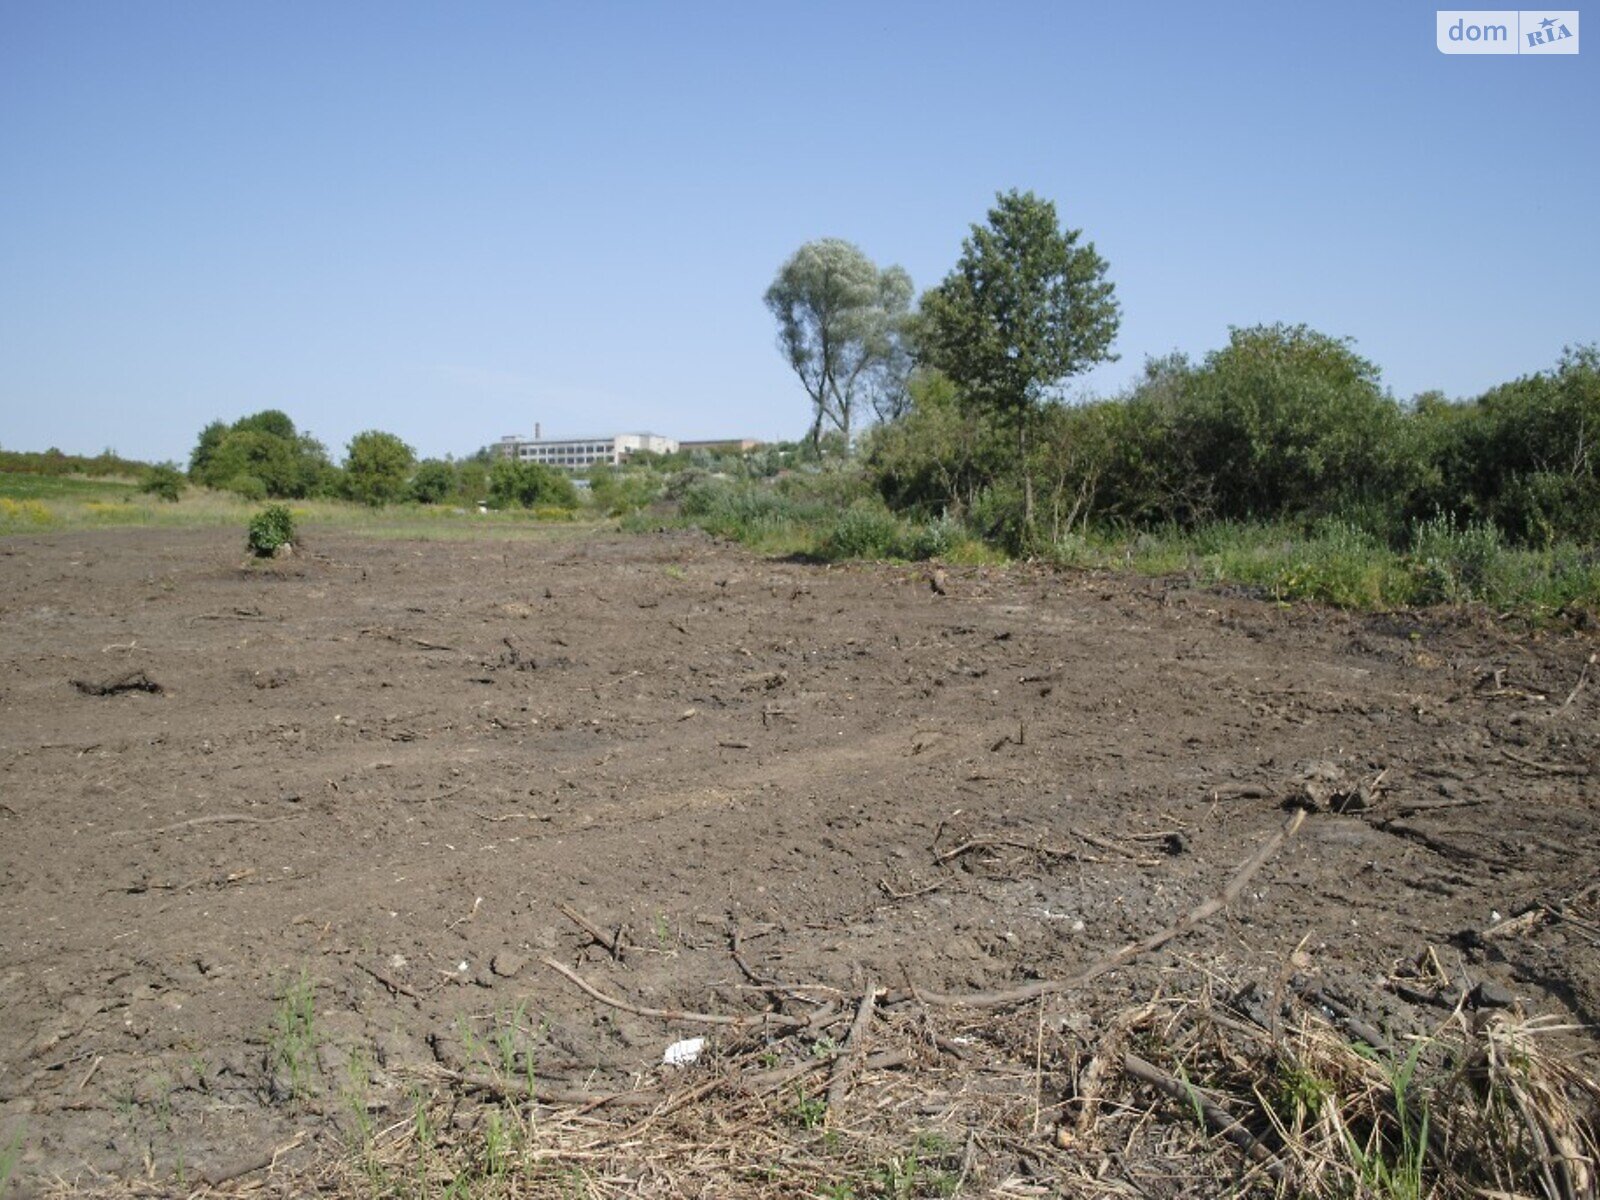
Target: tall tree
{"points": [[376, 467], [840, 324], [1025, 309]]}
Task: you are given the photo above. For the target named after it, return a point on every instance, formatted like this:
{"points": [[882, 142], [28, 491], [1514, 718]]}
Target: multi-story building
{"points": [[575, 453]]}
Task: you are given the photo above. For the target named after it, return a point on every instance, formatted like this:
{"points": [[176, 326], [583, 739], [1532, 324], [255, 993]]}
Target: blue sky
{"points": [[452, 221]]}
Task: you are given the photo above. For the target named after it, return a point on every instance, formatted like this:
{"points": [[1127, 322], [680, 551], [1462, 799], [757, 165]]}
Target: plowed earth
{"points": [[380, 767]]}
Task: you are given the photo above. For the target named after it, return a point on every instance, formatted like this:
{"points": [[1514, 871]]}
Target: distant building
{"points": [[575, 453]]}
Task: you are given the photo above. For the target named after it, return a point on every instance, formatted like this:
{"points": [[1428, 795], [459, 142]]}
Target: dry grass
{"points": [[1032, 1101]]}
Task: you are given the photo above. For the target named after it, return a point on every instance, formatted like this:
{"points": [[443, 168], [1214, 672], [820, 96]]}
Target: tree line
{"points": [[263, 456], [1282, 423]]}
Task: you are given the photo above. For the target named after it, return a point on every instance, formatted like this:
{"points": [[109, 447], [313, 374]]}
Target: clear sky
{"points": [[450, 221]]}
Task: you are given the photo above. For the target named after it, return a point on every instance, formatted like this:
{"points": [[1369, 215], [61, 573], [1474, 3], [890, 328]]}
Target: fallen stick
{"points": [[1553, 768], [611, 942], [217, 819], [1218, 1119], [1202, 911], [855, 1043], [1105, 843], [1583, 678], [1011, 844], [673, 1014], [762, 1082], [888, 890], [517, 1089], [93, 1067], [394, 985], [259, 1162], [1313, 994]]}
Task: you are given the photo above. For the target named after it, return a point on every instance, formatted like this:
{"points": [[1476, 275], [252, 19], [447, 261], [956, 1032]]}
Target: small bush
{"points": [[165, 481], [1454, 562], [863, 531], [933, 539], [271, 529]]}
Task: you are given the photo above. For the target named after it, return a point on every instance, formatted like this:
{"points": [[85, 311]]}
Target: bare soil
{"points": [[383, 765]]}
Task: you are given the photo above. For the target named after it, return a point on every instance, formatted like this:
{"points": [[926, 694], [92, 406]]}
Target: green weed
{"points": [[10, 1155], [292, 1044]]}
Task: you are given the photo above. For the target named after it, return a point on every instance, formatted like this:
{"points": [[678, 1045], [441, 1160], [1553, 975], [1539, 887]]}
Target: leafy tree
{"points": [[264, 447], [472, 480], [840, 325], [205, 451], [1285, 420], [940, 455], [270, 421], [1538, 471], [515, 484], [260, 456], [434, 481], [1025, 309], [376, 466]]}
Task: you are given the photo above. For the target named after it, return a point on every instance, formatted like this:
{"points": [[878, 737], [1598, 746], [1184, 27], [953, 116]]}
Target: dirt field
{"points": [[373, 772]]}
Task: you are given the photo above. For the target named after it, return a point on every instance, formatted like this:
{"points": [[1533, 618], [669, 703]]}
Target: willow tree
{"points": [[840, 325], [1025, 309]]}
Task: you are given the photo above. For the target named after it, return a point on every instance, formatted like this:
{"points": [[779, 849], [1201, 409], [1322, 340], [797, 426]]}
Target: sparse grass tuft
{"points": [[292, 1043], [10, 1153]]}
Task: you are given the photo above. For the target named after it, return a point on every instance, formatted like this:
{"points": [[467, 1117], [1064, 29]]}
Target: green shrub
{"points": [[933, 539], [247, 487], [1454, 562], [165, 481], [863, 531], [433, 482], [515, 484], [271, 529], [996, 515]]}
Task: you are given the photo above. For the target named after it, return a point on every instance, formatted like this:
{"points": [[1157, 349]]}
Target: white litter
{"points": [[681, 1054]]}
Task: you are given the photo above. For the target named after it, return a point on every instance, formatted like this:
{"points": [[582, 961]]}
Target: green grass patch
{"points": [[31, 503]]}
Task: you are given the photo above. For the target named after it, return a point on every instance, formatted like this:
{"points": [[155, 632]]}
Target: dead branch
{"points": [[1133, 950], [396, 988], [1583, 678], [1314, 994], [1215, 1117], [1552, 768], [542, 1093], [887, 889], [258, 1162], [215, 819], [1104, 843], [854, 1047], [673, 1014], [1011, 844], [762, 1082], [611, 942]]}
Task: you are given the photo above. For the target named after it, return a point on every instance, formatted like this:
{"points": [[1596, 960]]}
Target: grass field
{"points": [[1332, 563], [53, 503]]}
